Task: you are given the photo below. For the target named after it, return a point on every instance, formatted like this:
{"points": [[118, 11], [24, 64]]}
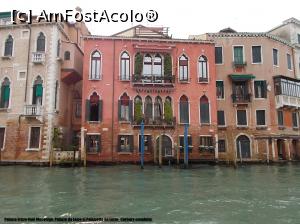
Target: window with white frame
{"points": [[275, 57], [8, 48], [147, 143], [2, 137], [241, 116], [184, 110], [289, 61], [95, 67], [34, 140], [218, 55], [206, 143], [125, 143], [295, 118], [183, 68], [189, 143], [203, 69], [93, 144], [256, 55], [41, 42], [260, 117], [125, 66], [220, 89], [221, 117]]}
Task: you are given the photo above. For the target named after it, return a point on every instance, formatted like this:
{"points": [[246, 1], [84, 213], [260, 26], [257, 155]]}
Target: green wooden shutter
{"points": [[100, 110], [130, 110], [6, 93], [119, 110], [39, 90], [87, 110]]}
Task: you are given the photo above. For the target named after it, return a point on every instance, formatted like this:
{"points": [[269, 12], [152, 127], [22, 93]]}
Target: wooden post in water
{"points": [[186, 152], [177, 153], [160, 151], [267, 142], [51, 155]]}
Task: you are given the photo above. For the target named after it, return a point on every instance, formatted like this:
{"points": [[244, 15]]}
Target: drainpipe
{"points": [[113, 103], [28, 61]]}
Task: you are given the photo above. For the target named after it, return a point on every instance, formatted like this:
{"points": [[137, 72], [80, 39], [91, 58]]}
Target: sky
{"points": [[183, 17]]}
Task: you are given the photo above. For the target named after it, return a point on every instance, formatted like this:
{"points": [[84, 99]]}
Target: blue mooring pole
{"points": [[142, 145], [186, 148]]}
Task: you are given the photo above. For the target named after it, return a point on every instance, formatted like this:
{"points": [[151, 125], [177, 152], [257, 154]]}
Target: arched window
{"points": [[67, 55], [148, 111], [5, 93], [184, 110], [125, 66], [183, 68], [8, 49], [157, 66], [158, 110], [125, 106], [204, 110], [147, 67], [37, 95], [94, 108], [41, 43], [95, 65], [202, 69], [138, 110]]}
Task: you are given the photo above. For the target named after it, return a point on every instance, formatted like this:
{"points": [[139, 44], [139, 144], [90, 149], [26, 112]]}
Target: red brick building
{"points": [[143, 74]]}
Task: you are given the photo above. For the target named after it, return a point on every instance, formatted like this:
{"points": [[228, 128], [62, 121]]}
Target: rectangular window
{"points": [[280, 118], [147, 142], [78, 110], [206, 143], [241, 117], [2, 135], [289, 61], [260, 89], [295, 120], [34, 142], [238, 52], [222, 145], [298, 38], [21, 75], [256, 54], [181, 143], [183, 68], [260, 117], [220, 89], [221, 118], [275, 57], [125, 143], [93, 143], [219, 55]]}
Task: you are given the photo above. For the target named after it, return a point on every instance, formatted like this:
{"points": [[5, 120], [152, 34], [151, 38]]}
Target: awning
{"points": [[241, 77]]}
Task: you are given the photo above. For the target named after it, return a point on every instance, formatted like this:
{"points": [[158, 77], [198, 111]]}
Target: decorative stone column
{"points": [[287, 149]]}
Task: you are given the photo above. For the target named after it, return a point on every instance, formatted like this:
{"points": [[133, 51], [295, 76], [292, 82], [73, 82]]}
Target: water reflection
{"points": [[207, 194]]}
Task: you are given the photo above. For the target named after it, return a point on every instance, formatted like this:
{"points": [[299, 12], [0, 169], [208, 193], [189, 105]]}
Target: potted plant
{"points": [[168, 67], [138, 113], [168, 112]]}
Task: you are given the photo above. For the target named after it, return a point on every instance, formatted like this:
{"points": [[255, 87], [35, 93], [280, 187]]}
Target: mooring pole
{"points": [[186, 153], [160, 151], [142, 145], [240, 151]]}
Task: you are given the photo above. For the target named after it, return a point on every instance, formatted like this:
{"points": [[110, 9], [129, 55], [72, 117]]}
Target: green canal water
{"points": [[206, 194]]}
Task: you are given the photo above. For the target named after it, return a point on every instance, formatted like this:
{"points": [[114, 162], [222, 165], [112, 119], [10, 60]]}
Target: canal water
{"points": [[206, 194]]}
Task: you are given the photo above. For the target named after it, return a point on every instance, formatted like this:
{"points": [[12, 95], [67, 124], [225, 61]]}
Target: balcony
{"points": [[153, 80], [158, 122], [287, 92], [241, 98], [72, 63], [32, 110], [289, 101], [38, 57]]}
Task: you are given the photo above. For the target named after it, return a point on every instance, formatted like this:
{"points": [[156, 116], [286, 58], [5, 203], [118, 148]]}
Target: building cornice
{"points": [[96, 37]]}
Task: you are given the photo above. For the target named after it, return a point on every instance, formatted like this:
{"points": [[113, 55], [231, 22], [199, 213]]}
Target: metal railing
{"points": [[241, 98]]}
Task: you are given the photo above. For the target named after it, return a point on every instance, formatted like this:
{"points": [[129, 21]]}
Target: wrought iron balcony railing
{"points": [[241, 98], [156, 122]]}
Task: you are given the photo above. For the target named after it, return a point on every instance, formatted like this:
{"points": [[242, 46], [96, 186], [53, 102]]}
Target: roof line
{"points": [[147, 39]]}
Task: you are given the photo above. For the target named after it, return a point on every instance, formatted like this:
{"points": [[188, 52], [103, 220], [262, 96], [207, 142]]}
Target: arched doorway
{"points": [[166, 145], [281, 149], [243, 147]]}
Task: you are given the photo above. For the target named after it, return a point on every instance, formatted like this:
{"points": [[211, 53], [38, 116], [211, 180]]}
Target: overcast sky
{"points": [[182, 17]]}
